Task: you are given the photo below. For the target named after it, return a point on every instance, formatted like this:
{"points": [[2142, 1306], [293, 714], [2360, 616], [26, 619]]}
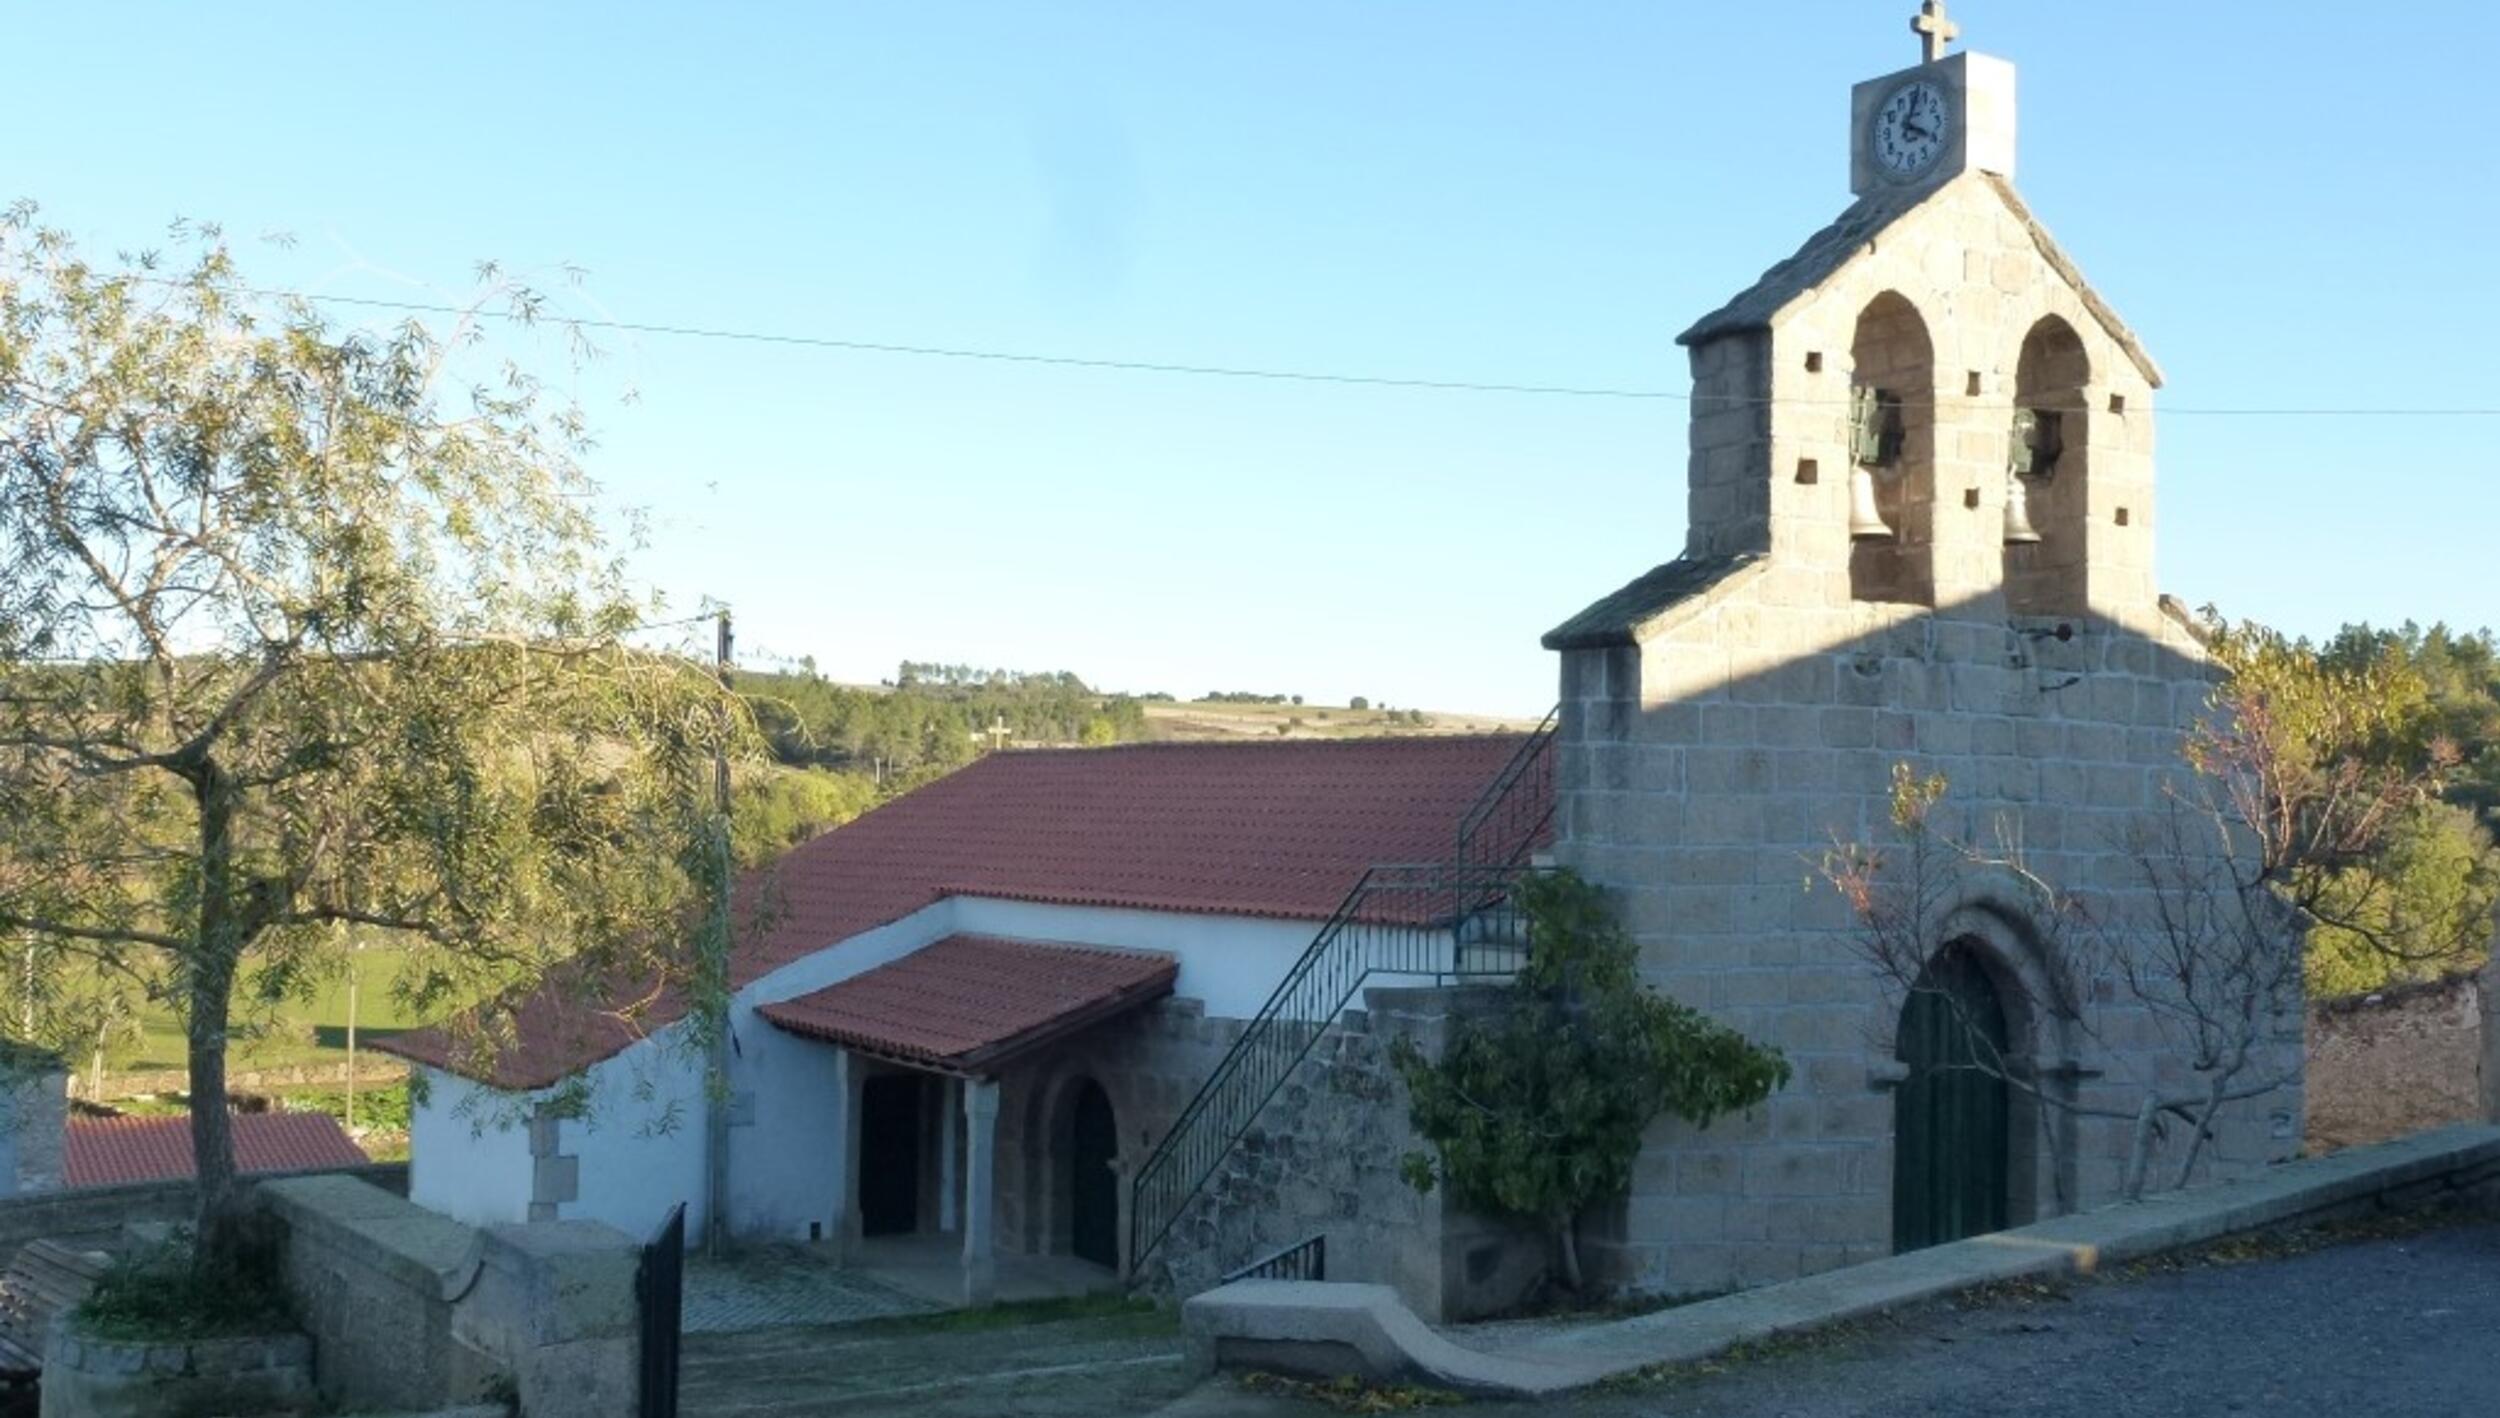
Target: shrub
{"points": [[156, 1292]]}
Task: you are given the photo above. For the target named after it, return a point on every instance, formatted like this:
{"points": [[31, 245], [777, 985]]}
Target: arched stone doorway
{"points": [[1093, 1142], [1951, 1113]]}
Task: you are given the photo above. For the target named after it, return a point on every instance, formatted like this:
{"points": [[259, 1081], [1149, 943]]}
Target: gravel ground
{"points": [[2406, 1326]]}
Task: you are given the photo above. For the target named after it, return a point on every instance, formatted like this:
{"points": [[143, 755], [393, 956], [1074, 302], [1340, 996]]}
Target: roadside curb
{"points": [[1325, 1329]]}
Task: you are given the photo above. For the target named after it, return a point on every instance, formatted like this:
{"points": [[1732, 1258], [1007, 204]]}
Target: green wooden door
{"points": [[1949, 1116]]}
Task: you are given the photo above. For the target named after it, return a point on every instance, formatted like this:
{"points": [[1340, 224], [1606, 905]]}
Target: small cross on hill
{"points": [[1934, 30]]}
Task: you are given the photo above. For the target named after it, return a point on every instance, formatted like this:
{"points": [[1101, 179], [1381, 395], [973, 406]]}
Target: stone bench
{"points": [[47, 1279]]}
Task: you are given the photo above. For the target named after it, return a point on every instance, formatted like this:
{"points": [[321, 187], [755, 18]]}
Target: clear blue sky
{"points": [[2293, 203]]}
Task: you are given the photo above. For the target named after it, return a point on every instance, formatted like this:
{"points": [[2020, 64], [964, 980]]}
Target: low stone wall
{"points": [[2394, 1063], [94, 1216], [381, 1073], [86, 1377], [412, 1310]]}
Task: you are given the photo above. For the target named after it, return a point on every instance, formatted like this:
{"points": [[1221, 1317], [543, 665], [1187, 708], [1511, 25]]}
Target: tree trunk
{"points": [[2140, 1151], [212, 969]]}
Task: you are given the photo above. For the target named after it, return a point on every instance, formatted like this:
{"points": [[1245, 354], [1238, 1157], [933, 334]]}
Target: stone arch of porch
{"points": [[1044, 1123]]}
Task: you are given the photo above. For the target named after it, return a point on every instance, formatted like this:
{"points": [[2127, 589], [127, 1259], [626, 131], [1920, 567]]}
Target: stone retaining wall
{"points": [[90, 1216], [412, 1310], [2396, 1062], [1323, 1158], [87, 1377]]}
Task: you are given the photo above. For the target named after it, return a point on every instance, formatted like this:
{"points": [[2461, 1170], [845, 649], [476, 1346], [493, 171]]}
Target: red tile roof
{"points": [[969, 1003], [101, 1151], [1276, 829]]}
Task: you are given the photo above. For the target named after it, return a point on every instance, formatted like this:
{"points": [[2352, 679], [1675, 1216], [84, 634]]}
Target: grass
{"points": [[1126, 1317], [310, 1030]]}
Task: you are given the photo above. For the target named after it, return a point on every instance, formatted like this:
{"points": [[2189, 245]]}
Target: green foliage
{"points": [[159, 1292], [1539, 1110], [2367, 763], [773, 809], [2435, 879]]}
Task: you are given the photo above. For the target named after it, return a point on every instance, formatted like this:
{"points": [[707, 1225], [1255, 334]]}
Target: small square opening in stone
{"points": [[2117, 403], [1809, 472], [1814, 361], [1970, 498], [1975, 386], [2122, 516]]}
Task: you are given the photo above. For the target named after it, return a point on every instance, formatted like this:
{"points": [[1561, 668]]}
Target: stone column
{"points": [[948, 1091], [980, 1205], [850, 1071]]}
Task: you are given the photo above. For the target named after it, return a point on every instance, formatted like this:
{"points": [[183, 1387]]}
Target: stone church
{"points": [[1130, 1008], [1919, 529]]}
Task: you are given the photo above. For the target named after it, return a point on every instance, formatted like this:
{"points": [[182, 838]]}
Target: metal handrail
{"points": [[1397, 920], [1305, 1259]]}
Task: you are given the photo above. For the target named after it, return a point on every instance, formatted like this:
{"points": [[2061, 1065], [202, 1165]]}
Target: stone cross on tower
{"points": [[1934, 30]]}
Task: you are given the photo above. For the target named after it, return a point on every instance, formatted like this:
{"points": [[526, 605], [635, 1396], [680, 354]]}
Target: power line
{"points": [[1221, 371]]}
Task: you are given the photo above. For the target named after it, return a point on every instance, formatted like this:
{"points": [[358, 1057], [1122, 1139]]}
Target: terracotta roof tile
{"points": [[1275, 829], [968, 1003], [102, 1151]]}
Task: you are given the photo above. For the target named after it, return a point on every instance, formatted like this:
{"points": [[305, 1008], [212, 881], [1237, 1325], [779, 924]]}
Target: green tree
{"points": [[1539, 1110], [303, 628], [2435, 879]]}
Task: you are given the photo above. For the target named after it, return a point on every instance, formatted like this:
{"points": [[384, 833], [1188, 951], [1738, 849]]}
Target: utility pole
{"points": [[716, 968], [355, 944]]}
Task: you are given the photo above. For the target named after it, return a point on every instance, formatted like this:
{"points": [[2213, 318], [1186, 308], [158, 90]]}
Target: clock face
{"points": [[1910, 129]]}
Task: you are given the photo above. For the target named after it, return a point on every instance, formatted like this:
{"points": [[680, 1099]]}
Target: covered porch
{"points": [[927, 1044]]}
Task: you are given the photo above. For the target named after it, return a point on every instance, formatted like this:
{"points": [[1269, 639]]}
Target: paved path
{"points": [[778, 1286], [2405, 1326], [1090, 1368]]}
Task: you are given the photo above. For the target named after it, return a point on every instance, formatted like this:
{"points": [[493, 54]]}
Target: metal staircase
{"points": [[1436, 921]]}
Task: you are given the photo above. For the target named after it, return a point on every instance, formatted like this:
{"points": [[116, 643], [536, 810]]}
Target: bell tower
{"points": [[1927, 405]]}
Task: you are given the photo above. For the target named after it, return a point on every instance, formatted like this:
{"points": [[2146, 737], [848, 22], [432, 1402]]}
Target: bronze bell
{"points": [[2032, 449], [1866, 520], [2018, 528], [1875, 436]]}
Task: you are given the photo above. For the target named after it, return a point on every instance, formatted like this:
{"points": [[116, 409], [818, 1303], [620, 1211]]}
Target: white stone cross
{"points": [[1934, 30]]}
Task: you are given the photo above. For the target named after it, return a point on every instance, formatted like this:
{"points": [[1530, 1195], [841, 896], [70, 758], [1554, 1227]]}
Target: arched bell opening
{"points": [[1892, 455], [2048, 473]]}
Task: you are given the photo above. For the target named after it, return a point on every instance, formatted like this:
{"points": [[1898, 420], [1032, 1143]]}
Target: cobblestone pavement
{"points": [[777, 1286], [1083, 1368], [2403, 1326]]}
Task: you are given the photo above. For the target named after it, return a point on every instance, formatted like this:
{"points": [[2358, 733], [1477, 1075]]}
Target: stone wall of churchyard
{"points": [[2396, 1062], [1324, 1158], [410, 1310]]}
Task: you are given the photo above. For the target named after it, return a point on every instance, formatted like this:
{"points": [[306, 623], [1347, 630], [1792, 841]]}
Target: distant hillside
{"points": [[1203, 721]]}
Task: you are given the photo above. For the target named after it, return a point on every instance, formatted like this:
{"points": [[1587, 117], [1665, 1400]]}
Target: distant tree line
{"points": [[930, 719]]}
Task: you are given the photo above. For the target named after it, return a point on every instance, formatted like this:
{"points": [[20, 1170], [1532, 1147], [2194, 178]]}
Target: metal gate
{"points": [[1950, 1149], [660, 1288]]}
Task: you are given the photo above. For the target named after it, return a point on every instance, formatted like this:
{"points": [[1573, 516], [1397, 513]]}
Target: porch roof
{"points": [[969, 1004]]}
